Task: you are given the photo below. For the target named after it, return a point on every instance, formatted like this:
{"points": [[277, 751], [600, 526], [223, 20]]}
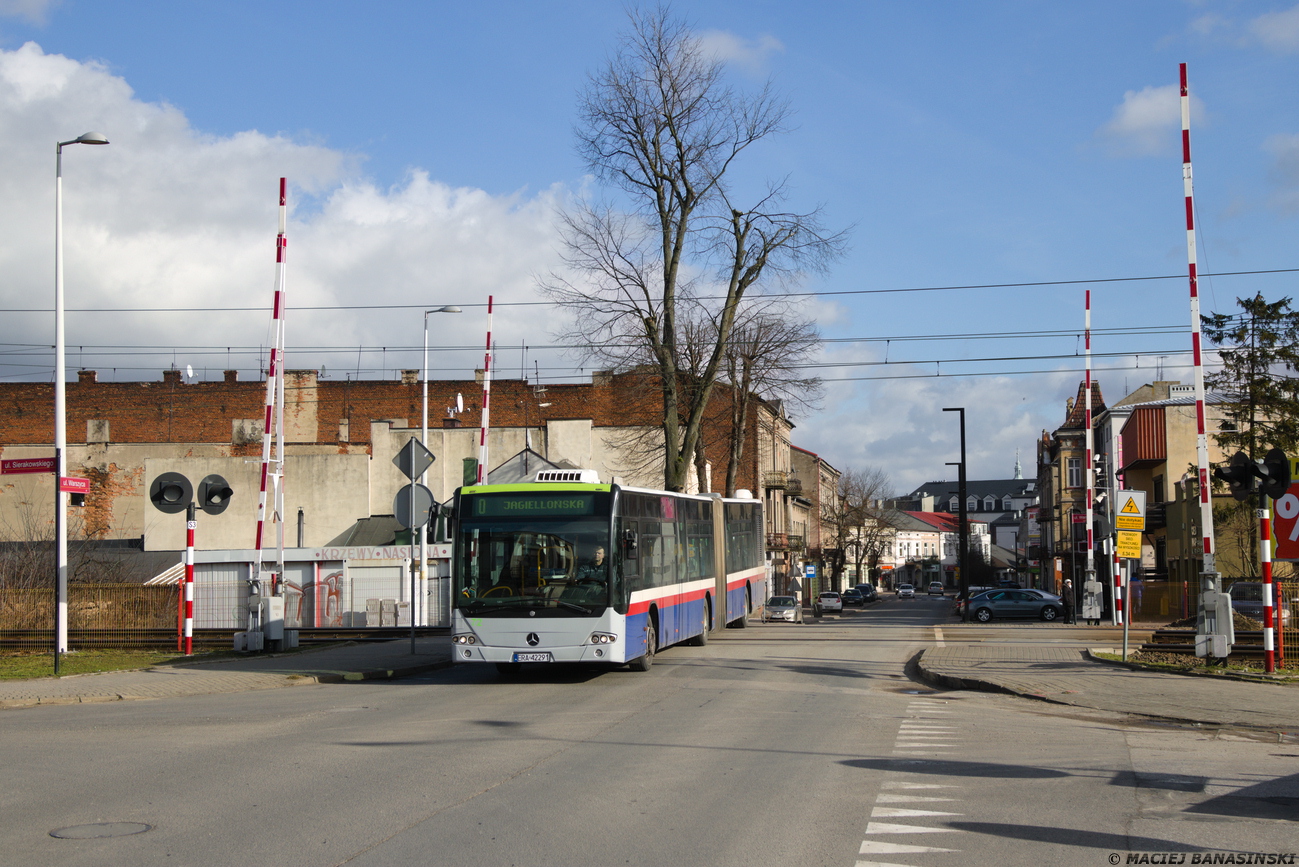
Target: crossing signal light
{"points": [[214, 494], [171, 493], [1272, 473]]}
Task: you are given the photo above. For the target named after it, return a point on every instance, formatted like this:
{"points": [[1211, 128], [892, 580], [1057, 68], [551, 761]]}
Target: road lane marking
{"points": [[938, 636], [905, 812]]}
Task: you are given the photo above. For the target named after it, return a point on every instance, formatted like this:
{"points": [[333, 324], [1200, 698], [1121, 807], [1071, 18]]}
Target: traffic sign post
{"points": [[412, 508]]}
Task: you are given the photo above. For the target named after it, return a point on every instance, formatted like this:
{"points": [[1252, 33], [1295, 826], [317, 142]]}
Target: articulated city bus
{"points": [[577, 571]]}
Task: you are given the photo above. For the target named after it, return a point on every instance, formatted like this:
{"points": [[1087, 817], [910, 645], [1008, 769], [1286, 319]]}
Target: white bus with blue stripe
{"points": [[581, 572]]}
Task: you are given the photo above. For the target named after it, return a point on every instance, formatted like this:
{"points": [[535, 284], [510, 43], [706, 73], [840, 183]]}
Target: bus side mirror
{"points": [[629, 544]]}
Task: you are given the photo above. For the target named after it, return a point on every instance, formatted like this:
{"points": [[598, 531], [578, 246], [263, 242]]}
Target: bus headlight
{"points": [[463, 639], [602, 638]]}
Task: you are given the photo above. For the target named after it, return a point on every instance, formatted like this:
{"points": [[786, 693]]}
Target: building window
{"points": [[972, 504], [989, 503], [1159, 489], [1075, 472], [954, 505], [1006, 504]]}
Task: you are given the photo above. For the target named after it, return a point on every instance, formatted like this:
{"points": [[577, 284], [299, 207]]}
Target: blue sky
{"points": [[429, 144]]}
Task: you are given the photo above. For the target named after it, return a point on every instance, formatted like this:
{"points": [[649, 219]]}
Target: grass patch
{"points": [[24, 666]]}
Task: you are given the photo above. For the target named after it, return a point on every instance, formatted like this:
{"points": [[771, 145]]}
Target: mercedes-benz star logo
{"points": [[533, 639]]}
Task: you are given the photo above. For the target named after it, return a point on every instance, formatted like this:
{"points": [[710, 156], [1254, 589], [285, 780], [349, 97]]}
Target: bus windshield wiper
{"points": [[481, 605]]}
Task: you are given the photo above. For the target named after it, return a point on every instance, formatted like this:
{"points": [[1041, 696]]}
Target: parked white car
{"points": [[828, 601]]}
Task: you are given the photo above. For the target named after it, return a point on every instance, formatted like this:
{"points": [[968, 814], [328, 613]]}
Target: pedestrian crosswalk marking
{"points": [[907, 784], [886, 828], [879, 847], [899, 812], [885, 798]]}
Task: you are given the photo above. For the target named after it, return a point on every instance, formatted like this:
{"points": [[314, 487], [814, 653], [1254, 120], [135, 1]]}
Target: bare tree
{"points": [[853, 522], [768, 348], [659, 123]]}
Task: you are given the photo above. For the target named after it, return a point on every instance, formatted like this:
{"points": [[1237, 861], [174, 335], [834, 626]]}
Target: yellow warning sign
{"points": [[1128, 545], [1132, 514]]}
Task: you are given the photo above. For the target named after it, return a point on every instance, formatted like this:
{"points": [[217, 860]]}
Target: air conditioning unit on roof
{"points": [[586, 477]]}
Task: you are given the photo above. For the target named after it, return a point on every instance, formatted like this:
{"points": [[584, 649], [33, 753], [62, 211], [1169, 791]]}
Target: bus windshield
{"points": [[558, 568]]}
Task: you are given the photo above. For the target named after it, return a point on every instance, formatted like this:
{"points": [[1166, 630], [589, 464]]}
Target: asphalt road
{"points": [[780, 744]]}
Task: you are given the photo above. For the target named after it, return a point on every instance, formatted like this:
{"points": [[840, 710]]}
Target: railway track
{"points": [[204, 639]]}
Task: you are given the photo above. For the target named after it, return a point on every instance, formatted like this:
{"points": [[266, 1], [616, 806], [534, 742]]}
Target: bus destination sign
{"points": [[533, 505]]}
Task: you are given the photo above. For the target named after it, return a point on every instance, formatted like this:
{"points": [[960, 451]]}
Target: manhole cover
{"points": [[100, 829]]}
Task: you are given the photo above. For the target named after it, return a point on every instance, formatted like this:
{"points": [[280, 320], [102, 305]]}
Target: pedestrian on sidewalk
{"points": [[1066, 596]]}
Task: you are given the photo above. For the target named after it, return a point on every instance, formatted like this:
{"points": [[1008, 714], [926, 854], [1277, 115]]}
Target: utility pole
{"points": [[963, 551]]}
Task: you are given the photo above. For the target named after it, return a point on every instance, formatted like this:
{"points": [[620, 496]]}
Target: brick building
{"points": [[340, 437]]}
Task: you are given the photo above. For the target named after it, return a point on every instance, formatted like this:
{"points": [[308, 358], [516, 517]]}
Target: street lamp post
{"points": [[964, 523], [61, 410], [423, 479]]}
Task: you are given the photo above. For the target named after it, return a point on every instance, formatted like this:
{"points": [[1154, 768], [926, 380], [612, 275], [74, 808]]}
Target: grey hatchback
{"points": [[1009, 603]]}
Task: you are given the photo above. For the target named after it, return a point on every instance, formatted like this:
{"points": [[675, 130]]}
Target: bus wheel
{"points": [[508, 669], [702, 638], [643, 663]]}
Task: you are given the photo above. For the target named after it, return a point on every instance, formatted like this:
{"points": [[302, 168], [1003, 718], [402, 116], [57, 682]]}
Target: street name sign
{"points": [[74, 485], [1131, 511], [27, 465]]}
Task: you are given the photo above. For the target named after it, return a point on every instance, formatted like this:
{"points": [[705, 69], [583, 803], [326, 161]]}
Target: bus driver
{"points": [[593, 572]]}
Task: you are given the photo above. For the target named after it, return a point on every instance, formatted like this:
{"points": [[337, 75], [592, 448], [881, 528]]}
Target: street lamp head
{"points": [[90, 138], [448, 309]]}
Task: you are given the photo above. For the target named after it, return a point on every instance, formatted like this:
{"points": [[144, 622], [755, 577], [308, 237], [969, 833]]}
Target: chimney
{"points": [[87, 376], [410, 377], [450, 422], [232, 376], [172, 376]]}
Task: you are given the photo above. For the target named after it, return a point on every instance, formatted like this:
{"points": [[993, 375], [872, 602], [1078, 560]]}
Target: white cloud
{"points": [[167, 216], [899, 425], [1147, 121], [1285, 170], [1278, 31], [34, 11], [751, 55]]}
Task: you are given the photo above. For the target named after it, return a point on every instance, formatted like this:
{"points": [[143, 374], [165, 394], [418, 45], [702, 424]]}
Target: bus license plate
{"points": [[532, 657]]}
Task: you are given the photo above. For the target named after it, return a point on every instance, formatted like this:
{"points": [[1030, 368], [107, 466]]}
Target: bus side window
{"points": [[630, 543]]}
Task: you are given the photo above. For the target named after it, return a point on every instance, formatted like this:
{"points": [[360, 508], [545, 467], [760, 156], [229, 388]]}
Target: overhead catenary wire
{"points": [[768, 295]]}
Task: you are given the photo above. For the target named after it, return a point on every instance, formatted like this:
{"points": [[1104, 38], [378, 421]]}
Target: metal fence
{"points": [[99, 615], [1164, 602]]}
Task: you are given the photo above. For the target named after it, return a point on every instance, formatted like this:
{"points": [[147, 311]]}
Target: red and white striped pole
{"points": [[487, 394], [1265, 560], [1201, 433], [274, 388], [191, 522], [1090, 444]]}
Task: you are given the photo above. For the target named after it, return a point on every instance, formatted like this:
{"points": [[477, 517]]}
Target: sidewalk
{"points": [[334, 664], [1068, 676]]}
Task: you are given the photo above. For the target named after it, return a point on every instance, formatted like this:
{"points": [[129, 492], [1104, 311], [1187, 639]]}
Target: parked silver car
{"points": [[1007, 603], [783, 608]]}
